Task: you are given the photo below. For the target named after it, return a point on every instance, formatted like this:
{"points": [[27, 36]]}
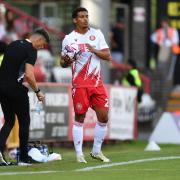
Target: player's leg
{"points": [[21, 107], [77, 132], [81, 104], [100, 106], [9, 117], [100, 131]]}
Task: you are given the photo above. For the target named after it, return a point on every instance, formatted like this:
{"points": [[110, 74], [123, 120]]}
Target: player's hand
{"points": [[40, 96], [90, 48]]}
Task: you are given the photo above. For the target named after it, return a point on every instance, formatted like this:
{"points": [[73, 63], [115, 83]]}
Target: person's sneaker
{"points": [[12, 163], [3, 161], [100, 156], [81, 159], [21, 163], [25, 162]]}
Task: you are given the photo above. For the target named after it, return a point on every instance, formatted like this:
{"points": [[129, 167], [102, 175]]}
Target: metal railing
{"points": [[32, 19]]}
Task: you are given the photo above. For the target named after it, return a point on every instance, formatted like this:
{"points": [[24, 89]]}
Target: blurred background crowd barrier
{"points": [[53, 121], [127, 26]]}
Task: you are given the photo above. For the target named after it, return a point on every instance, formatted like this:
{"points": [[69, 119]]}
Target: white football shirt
{"points": [[86, 70]]}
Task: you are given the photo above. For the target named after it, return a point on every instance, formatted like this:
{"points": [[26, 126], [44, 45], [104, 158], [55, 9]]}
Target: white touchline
{"points": [[92, 167], [28, 172], [128, 162]]}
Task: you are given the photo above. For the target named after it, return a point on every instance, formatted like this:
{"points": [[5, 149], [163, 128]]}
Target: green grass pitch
{"points": [[129, 162]]}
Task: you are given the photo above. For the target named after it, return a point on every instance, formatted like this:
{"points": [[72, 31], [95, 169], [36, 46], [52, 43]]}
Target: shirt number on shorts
{"points": [[107, 103]]}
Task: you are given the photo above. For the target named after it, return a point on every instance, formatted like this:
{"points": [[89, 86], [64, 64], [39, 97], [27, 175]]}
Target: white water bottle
{"points": [[38, 107]]}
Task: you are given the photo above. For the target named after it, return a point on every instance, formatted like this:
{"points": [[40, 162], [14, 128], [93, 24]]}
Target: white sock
{"points": [[77, 132], [99, 135]]}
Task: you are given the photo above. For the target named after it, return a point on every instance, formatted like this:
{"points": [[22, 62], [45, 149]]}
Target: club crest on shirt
{"points": [[92, 37], [78, 106]]}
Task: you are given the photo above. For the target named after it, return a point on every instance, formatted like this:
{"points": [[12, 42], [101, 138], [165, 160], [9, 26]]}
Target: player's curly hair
{"points": [[77, 10]]}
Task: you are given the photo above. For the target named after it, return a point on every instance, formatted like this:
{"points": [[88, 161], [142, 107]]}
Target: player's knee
{"points": [[103, 119], [79, 118], [9, 125]]}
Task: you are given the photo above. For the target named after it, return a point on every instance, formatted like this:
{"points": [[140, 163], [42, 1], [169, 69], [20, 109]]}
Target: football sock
{"points": [[99, 135], [77, 132]]}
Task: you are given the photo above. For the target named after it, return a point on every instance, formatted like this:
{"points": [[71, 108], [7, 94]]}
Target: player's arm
{"points": [[65, 60], [103, 54], [30, 78]]}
